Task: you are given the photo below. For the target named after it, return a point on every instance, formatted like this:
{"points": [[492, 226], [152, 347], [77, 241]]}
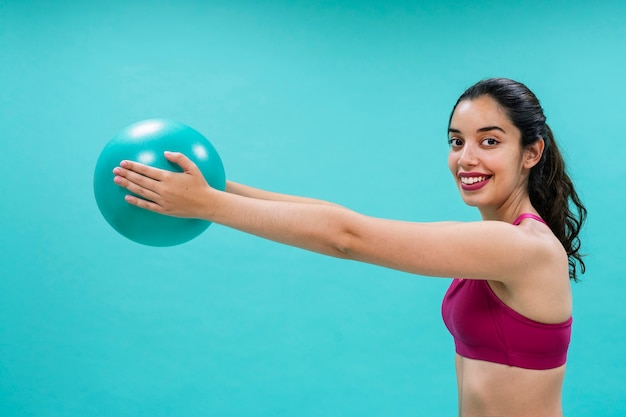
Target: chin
{"points": [[471, 201]]}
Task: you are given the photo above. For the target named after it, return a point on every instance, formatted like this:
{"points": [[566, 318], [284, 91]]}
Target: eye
{"points": [[490, 142], [455, 142]]}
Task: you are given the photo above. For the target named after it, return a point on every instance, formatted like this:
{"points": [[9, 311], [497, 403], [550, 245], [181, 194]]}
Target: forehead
{"points": [[479, 112]]}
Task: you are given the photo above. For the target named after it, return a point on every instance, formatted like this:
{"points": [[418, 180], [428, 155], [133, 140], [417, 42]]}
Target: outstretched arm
{"points": [[481, 250], [308, 223], [247, 191]]}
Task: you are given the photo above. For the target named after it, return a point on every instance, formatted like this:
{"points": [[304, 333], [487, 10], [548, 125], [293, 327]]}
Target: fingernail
{"points": [[116, 170], [117, 180]]}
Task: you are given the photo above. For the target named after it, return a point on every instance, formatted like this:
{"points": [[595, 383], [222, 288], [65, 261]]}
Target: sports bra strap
{"points": [[528, 216]]}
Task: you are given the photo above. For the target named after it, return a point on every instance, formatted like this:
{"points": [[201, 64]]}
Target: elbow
{"points": [[343, 246], [341, 235]]}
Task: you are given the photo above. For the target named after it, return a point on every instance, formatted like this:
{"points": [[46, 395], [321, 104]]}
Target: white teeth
{"points": [[472, 180]]}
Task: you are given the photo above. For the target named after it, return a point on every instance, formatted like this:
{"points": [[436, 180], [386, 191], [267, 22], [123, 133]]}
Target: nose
{"points": [[468, 157]]}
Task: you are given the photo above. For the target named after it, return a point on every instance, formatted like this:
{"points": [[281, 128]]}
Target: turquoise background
{"points": [[346, 101]]}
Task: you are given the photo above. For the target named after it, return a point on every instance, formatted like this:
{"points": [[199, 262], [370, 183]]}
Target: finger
{"points": [[144, 204], [182, 161], [135, 188], [145, 170], [139, 179]]}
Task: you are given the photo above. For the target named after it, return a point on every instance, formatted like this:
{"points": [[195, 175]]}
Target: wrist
{"points": [[210, 201]]}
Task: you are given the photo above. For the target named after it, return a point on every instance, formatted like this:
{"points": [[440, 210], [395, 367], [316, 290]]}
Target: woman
{"points": [[510, 309]]}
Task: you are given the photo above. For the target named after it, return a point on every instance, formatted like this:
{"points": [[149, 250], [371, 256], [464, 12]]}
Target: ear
{"points": [[533, 153]]}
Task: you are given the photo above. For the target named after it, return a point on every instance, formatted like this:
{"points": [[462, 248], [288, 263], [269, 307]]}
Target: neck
{"points": [[508, 211]]}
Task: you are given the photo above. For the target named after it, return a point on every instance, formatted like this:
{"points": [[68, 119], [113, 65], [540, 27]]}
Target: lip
{"points": [[475, 186]]}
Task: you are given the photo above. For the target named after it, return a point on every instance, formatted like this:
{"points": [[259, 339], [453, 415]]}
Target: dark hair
{"points": [[550, 189]]}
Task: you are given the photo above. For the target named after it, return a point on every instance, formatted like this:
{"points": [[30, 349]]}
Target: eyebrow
{"points": [[482, 129]]}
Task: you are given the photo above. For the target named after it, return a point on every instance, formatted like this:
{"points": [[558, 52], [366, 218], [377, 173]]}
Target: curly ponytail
{"points": [[550, 188]]}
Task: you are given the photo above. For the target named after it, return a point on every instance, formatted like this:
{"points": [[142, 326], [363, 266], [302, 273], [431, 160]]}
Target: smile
{"points": [[473, 182]]}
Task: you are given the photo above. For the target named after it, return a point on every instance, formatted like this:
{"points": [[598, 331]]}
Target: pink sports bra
{"points": [[485, 328]]}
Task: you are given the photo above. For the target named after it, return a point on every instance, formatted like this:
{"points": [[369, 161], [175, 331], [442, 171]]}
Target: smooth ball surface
{"points": [[145, 142]]}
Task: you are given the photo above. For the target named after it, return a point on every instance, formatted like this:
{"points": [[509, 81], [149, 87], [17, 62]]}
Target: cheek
{"points": [[453, 163]]}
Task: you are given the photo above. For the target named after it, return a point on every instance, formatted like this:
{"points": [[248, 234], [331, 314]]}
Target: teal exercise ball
{"points": [[145, 142]]}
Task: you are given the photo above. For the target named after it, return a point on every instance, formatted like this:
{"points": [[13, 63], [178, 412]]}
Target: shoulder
{"points": [[544, 245], [544, 274], [537, 284]]}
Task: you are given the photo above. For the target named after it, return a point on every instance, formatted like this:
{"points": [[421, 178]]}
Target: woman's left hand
{"points": [[179, 194]]}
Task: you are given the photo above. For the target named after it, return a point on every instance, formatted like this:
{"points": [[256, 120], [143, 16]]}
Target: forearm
{"points": [[256, 193], [322, 228]]}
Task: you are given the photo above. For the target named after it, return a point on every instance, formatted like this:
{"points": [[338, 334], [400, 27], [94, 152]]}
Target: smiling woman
{"points": [[481, 154], [511, 313], [550, 188]]}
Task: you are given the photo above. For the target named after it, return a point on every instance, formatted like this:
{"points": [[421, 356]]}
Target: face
{"points": [[486, 157]]}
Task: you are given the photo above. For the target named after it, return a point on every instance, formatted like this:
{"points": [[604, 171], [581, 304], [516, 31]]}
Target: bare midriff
{"points": [[489, 389]]}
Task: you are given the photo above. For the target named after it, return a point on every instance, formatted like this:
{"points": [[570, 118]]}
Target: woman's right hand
{"points": [[179, 194]]}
